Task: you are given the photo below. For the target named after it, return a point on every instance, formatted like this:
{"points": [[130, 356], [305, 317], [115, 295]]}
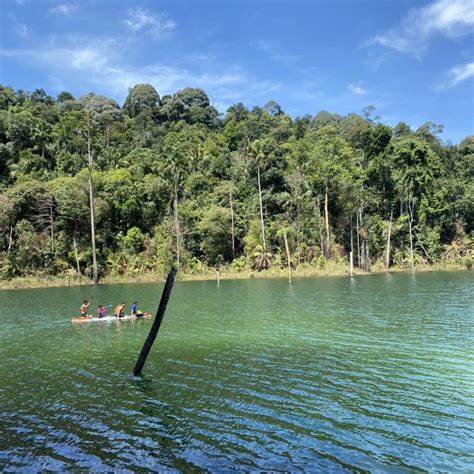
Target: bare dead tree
{"points": [[389, 234], [232, 219], [358, 239], [411, 203], [176, 222], [90, 162]]}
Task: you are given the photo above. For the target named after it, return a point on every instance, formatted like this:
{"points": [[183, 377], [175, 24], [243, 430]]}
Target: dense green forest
{"points": [[169, 179]]}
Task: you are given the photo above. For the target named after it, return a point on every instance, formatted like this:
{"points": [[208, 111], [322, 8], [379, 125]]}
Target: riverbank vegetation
{"points": [[93, 190]]}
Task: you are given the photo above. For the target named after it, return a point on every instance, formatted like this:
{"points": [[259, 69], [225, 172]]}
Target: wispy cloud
{"points": [[19, 28], [460, 73], [451, 18], [98, 63], [274, 52], [64, 9], [155, 24], [357, 89], [63, 58]]}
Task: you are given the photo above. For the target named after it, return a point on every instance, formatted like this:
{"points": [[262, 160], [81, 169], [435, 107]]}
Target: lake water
{"points": [[371, 373]]}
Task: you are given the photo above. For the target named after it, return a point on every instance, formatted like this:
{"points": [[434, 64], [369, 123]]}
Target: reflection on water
{"points": [[363, 373]]}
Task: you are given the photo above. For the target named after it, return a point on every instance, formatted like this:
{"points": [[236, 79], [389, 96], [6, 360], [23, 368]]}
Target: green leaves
{"points": [[415, 166], [230, 186], [142, 99], [214, 229], [330, 158]]}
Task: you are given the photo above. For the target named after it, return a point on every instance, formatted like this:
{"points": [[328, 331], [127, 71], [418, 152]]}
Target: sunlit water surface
{"points": [[370, 373]]}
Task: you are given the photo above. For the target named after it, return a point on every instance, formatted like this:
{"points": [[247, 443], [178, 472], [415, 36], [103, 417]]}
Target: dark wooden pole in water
{"points": [[156, 323]]}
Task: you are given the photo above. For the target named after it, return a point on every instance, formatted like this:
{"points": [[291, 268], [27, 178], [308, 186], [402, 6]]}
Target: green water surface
{"points": [[336, 374]]}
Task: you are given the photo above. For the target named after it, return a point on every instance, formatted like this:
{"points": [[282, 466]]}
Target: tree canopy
{"points": [[173, 177]]}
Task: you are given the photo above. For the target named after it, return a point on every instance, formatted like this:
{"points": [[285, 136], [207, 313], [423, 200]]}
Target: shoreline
{"points": [[211, 275]]}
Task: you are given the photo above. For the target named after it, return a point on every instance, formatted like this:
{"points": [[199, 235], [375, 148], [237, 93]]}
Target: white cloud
{"points": [[20, 28], [64, 9], [357, 89], [461, 73], [140, 19], [74, 55], [87, 58], [451, 18], [98, 64], [274, 52]]}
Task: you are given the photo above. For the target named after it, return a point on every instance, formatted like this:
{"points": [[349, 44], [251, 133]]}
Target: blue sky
{"points": [[413, 60]]}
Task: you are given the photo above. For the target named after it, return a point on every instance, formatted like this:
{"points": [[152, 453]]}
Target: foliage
{"points": [[231, 185]]}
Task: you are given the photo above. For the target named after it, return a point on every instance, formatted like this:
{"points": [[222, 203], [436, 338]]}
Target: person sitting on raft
{"points": [[134, 310], [101, 311], [84, 308], [118, 311]]}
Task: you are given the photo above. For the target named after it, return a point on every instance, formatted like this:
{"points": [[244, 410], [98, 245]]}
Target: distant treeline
{"points": [[171, 180]]}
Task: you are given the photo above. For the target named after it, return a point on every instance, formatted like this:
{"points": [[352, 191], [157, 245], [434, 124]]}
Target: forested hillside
{"points": [[174, 180]]}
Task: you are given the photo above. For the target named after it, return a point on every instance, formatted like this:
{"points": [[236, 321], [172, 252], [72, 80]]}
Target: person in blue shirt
{"points": [[133, 308], [101, 311]]}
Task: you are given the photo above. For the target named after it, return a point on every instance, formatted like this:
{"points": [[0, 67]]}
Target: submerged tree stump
{"points": [[156, 323]]}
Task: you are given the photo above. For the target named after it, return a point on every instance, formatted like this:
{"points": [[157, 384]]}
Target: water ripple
{"points": [[369, 374]]}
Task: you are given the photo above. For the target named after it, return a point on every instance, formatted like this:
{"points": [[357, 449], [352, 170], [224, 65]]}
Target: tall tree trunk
{"points": [[261, 212], [358, 239], [320, 229], [176, 224], [351, 255], [326, 222], [298, 224], [78, 268], [352, 237], [367, 256], [232, 221], [95, 273], [365, 260], [10, 239], [288, 256], [362, 255], [387, 262], [411, 211]]}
